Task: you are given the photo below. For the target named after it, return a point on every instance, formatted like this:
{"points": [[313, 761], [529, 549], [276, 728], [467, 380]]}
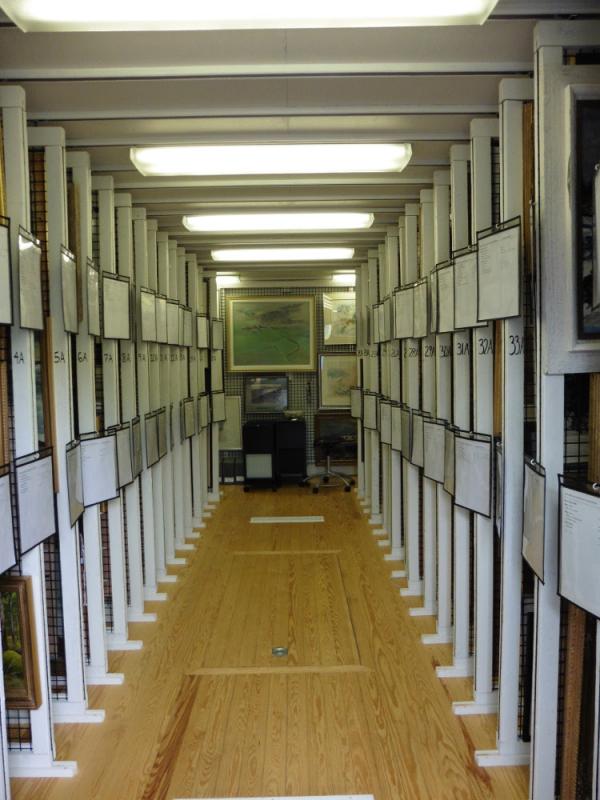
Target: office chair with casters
{"points": [[329, 479]]}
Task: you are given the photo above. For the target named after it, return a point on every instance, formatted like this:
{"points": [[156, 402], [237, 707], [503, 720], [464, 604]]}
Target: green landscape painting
{"points": [[271, 334]]}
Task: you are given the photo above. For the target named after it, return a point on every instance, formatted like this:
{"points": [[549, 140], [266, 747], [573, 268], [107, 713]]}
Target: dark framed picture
{"points": [[21, 677], [266, 395], [340, 428]]}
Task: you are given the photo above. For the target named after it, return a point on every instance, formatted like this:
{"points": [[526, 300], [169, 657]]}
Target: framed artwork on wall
{"points": [[21, 678], [340, 428], [266, 395], [339, 318], [271, 334], [337, 376]]}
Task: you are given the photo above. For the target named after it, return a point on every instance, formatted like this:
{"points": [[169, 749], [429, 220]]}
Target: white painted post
{"points": [[145, 277], [194, 359], [157, 372], [373, 436], [74, 708], [367, 384], [461, 661], [204, 435], [550, 408], [428, 522], [96, 671], [39, 762], [511, 750], [129, 409], [184, 384], [397, 553], [165, 379], [176, 356], [118, 638], [410, 392], [214, 494], [361, 348], [461, 364]]}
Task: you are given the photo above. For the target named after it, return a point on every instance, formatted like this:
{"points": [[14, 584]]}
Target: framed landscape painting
{"points": [[271, 334], [21, 679], [339, 318], [337, 375]]}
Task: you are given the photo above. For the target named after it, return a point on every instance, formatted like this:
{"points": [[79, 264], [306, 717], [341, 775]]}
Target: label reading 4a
{"points": [[515, 345]]}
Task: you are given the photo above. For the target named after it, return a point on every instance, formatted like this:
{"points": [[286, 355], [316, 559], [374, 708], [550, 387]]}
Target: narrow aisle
{"points": [[207, 710]]}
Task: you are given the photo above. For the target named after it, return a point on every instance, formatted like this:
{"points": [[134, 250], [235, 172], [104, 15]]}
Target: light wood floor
{"points": [[355, 707]]}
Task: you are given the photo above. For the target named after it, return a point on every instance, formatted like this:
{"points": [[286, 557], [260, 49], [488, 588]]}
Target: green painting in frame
{"points": [[271, 334], [339, 318]]}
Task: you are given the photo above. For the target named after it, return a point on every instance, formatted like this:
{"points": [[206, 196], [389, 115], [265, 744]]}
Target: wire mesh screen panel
{"points": [[576, 453], [84, 604], [526, 653], [54, 618], [303, 388]]}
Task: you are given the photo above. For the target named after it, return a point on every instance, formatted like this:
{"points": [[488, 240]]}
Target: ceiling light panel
{"points": [[129, 15], [278, 254], [278, 222], [267, 159]]}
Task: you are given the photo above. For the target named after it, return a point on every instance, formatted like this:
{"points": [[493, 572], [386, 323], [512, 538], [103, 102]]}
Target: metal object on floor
{"points": [[329, 479]]}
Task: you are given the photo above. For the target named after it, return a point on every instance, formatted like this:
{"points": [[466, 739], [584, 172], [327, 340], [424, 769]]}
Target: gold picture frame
{"points": [[271, 334], [19, 652]]}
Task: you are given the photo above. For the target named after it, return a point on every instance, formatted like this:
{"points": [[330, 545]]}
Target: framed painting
{"points": [[337, 376], [339, 318], [271, 334], [340, 428], [21, 678], [266, 395]]}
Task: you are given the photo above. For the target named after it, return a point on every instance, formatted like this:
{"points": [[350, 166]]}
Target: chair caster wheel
{"points": [[315, 490], [346, 488], [352, 481], [246, 488], [325, 478]]}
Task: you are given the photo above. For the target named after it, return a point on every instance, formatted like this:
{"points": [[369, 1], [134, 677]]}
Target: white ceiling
{"points": [[110, 91]]}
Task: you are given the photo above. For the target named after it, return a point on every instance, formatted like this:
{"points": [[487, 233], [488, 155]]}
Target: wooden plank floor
{"points": [[208, 711]]}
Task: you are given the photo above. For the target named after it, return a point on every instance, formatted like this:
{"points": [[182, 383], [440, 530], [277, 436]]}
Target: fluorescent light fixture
{"points": [[345, 278], [268, 223], [131, 15], [227, 280], [240, 254], [270, 159]]}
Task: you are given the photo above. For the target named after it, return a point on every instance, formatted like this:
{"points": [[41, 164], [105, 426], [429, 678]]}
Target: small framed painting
{"points": [[21, 678], [339, 318], [337, 376]]}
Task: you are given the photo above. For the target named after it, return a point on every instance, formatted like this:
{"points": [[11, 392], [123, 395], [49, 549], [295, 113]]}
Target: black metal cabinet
{"points": [[274, 451], [290, 441]]}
